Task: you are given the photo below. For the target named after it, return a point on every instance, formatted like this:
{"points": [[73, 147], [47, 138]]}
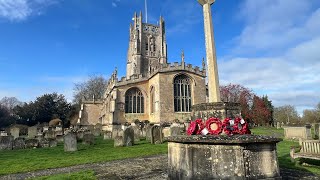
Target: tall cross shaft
{"points": [[212, 66]]}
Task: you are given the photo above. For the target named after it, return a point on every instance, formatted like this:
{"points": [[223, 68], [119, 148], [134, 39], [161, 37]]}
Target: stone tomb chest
{"points": [[223, 157]]}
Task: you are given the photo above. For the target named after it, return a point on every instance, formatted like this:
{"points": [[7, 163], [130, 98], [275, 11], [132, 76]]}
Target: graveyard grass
{"points": [[25, 160], [35, 159]]}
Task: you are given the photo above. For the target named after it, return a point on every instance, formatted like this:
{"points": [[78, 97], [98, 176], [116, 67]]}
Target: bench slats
{"points": [[309, 149]]}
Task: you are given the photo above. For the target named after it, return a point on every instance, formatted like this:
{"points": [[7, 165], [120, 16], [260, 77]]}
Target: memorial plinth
{"points": [[223, 157]]}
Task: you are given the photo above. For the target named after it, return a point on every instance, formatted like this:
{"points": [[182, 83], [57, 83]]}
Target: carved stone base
{"points": [[220, 110]]}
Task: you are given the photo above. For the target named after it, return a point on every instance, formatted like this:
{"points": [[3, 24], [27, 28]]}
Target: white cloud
{"points": [[114, 4], [277, 53], [18, 10]]}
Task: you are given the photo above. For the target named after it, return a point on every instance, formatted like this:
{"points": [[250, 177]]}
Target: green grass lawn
{"points": [[283, 149], [43, 158], [36, 159]]}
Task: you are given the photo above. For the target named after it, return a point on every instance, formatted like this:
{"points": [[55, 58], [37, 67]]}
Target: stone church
{"points": [[153, 89]]}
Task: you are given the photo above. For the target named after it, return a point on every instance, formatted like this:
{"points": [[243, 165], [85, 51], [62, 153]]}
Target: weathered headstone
{"points": [[32, 131], [6, 142], [98, 126], [117, 132], [118, 141], [166, 131], [148, 132], [308, 128], [19, 143], [50, 134], [156, 135], [96, 132], [80, 135], [32, 143], [3, 133], [53, 143], [175, 131], [137, 133], [88, 139], [44, 143], [107, 135], [128, 136], [316, 131], [14, 132], [59, 138], [70, 142], [143, 132]]}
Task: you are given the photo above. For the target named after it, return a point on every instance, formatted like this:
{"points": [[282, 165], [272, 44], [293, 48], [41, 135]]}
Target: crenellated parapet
{"points": [[162, 68]]}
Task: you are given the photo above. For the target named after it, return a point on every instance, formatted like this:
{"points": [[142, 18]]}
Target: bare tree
{"points": [[94, 86], [10, 103], [286, 114]]}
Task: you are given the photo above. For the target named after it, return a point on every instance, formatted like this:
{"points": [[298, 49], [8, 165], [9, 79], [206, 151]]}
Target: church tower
{"points": [[147, 46]]}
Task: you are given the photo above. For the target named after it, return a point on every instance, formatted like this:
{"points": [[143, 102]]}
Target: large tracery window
{"points": [[134, 101], [182, 94]]}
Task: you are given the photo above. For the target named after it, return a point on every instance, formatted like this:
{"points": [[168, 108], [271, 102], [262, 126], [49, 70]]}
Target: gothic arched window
{"points": [[134, 101], [182, 94]]}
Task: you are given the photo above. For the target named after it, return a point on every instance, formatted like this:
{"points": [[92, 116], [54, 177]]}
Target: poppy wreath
{"points": [[195, 127], [214, 121], [226, 127], [241, 126]]}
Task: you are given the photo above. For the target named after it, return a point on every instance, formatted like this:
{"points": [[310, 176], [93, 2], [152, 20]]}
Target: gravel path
{"points": [[148, 168]]}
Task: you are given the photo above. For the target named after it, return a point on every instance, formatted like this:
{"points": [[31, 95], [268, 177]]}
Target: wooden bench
{"points": [[309, 149]]}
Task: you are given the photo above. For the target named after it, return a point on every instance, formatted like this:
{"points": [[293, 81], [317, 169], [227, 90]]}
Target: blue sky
{"points": [[271, 47]]}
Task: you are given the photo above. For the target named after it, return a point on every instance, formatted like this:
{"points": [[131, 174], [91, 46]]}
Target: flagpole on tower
{"points": [[146, 10]]}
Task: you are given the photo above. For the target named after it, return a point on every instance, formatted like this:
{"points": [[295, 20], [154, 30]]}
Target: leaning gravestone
{"points": [[19, 143], [15, 132], [6, 142], [156, 135], [128, 136], [70, 142], [88, 139], [316, 131], [32, 131]]}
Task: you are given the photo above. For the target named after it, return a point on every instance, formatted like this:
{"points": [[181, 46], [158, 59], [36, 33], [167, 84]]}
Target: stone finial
{"points": [[182, 56], [203, 2]]}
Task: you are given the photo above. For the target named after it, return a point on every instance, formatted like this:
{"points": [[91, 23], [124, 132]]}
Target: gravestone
{"points": [[32, 143], [44, 143], [107, 135], [128, 136], [6, 142], [19, 143], [53, 143], [137, 133], [50, 134], [156, 135], [166, 131], [70, 142], [80, 135], [14, 132], [96, 132], [117, 132], [316, 131], [88, 139], [118, 141], [143, 132], [32, 131], [3, 133], [98, 126], [295, 132], [148, 132], [175, 131], [90, 128], [59, 138], [308, 128]]}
